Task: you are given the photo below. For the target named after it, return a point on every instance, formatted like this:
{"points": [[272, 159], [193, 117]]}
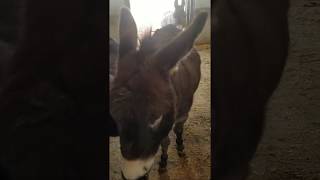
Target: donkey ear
{"points": [[176, 4], [127, 32], [167, 57], [183, 3]]}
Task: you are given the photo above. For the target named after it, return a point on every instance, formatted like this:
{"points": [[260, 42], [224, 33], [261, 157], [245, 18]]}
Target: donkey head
{"points": [[179, 13], [142, 99]]}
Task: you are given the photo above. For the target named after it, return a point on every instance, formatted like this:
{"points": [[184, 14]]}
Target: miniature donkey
{"points": [[178, 17], [153, 90]]}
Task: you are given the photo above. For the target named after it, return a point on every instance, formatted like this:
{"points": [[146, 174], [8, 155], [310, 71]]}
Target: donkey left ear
{"points": [[127, 32], [183, 3], [166, 58]]}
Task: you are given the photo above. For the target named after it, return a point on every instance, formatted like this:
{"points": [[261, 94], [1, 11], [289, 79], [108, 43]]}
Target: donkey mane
{"points": [[146, 42], [150, 43]]}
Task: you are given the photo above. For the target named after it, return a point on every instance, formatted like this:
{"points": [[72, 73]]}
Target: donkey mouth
{"points": [[136, 169], [145, 177]]}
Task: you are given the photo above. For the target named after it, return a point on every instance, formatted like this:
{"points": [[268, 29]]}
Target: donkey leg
{"points": [[178, 130], [164, 155]]}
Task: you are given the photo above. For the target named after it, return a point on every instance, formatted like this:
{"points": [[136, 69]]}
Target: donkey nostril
{"points": [[145, 177], [124, 178]]}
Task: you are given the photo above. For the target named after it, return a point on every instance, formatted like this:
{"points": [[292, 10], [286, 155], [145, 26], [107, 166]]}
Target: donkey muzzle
{"points": [[145, 177]]}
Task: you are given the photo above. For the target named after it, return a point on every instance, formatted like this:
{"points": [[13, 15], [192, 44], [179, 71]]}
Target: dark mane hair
{"points": [[146, 41], [151, 42]]}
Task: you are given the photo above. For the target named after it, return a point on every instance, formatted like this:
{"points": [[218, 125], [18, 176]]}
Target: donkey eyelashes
{"points": [[156, 123]]}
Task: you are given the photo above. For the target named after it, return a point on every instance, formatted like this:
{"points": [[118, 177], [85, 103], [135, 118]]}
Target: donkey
{"points": [[53, 102], [250, 44], [178, 17], [153, 90]]}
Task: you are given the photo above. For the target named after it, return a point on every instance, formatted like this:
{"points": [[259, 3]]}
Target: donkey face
{"points": [[179, 13], [142, 98]]}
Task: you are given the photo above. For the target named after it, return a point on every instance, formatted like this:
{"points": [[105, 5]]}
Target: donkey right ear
{"points": [[127, 33], [167, 57]]}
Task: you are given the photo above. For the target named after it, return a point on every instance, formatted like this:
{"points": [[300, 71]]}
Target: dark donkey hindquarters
{"points": [[53, 104], [147, 92], [250, 46]]}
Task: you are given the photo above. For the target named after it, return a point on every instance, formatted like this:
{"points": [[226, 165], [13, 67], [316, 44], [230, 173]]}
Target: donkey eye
{"points": [[156, 122]]}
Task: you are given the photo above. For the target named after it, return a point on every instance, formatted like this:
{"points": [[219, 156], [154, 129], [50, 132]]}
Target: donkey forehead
{"points": [[133, 101], [133, 62], [126, 104]]}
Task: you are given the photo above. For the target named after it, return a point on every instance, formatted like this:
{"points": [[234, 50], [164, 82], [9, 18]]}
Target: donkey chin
{"points": [[136, 169]]}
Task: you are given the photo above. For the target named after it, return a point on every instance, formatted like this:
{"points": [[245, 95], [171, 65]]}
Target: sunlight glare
{"points": [[149, 13]]}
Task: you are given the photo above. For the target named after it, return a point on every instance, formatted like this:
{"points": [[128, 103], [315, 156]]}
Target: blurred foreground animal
{"points": [[52, 97], [250, 47]]}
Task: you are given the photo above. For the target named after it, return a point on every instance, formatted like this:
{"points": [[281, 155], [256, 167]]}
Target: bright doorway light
{"points": [[149, 13]]}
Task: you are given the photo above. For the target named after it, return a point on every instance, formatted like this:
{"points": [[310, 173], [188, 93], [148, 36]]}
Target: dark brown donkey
{"points": [[153, 90]]}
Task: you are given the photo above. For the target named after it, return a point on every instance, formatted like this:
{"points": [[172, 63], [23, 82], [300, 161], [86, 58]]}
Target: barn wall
{"points": [[205, 36]]}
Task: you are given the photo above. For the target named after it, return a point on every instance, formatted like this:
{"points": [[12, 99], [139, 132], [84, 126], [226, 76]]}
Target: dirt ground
{"points": [[197, 163], [290, 149]]}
